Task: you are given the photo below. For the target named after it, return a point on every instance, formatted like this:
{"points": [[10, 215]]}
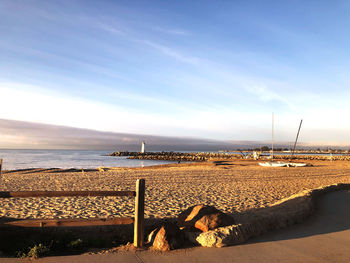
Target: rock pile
{"points": [[203, 218], [190, 223], [209, 227]]}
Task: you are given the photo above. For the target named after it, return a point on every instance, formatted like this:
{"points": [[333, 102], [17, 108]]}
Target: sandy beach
{"points": [[231, 186]]}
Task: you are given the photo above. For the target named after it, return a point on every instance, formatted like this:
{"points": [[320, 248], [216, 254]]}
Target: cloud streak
{"points": [[172, 53], [177, 32]]}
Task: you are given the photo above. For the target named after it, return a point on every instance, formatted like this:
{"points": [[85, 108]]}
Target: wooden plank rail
{"points": [[68, 222], [9, 194], [138, 221]]}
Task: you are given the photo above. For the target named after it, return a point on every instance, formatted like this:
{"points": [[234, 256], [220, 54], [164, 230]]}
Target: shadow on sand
{"points": [[48, 170]]}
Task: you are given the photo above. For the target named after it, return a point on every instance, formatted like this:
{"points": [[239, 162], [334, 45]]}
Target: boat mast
{"points": [[296, 139], [272, 136]]}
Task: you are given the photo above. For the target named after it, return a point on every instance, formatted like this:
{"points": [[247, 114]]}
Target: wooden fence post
{"points": [[139, 213], [0, 168]]}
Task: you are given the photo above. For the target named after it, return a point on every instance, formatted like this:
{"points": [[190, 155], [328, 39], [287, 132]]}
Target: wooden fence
{"points": [[138, 219]]}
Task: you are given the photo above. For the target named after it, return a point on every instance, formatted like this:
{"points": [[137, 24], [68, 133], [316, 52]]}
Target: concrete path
{"points": [[325, 237]]}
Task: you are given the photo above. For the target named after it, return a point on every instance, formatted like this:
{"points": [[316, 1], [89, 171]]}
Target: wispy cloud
{"points": [[155, 101], [108, 28], [58, 58], [130, 34], [178, 32], [265, 94], [168, 51]]}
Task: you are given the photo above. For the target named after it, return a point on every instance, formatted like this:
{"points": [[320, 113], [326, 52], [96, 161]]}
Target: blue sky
{"points": [[209, 69]]}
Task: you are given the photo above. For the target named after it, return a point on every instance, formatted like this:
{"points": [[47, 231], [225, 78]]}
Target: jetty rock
{"points": [[203, 218]]}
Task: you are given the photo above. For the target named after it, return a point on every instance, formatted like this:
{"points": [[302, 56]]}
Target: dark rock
{"points": [[203, 218], [168, 237]]}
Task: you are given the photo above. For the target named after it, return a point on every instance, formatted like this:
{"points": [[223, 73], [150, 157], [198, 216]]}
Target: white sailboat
{"points": [[282, 164]]}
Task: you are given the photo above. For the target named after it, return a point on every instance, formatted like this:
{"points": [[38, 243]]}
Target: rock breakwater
{"points": [[176, 156], [205, 156], [314, 157]]}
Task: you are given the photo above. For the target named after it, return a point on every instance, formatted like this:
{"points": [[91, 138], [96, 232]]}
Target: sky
{"points": [[199, 69]]}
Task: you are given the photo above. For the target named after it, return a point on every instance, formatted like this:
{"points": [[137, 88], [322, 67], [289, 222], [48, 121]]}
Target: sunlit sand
{"points": [[235, 186]]}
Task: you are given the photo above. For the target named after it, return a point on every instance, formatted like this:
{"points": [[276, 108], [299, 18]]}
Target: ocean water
{"points": [[80, 159]]}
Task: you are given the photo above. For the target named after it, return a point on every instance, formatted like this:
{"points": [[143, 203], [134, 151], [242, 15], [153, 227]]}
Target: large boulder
{"points": [[167, 237], [220, 237], [203, 218]]}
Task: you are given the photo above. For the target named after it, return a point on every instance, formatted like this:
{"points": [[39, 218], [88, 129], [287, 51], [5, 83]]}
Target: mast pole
{"points": [[296, 139], [272, 134]]}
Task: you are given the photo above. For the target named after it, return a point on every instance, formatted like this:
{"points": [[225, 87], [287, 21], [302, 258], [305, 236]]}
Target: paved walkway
{"points": [[325, 237]]}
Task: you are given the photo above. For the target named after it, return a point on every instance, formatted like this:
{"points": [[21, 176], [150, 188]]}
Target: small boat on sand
{"points": [[273, 164], [282, 164], [297, 164]]}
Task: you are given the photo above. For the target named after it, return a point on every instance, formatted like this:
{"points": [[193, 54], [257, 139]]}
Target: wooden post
{"points": [[0, 168], [139, 213]]}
